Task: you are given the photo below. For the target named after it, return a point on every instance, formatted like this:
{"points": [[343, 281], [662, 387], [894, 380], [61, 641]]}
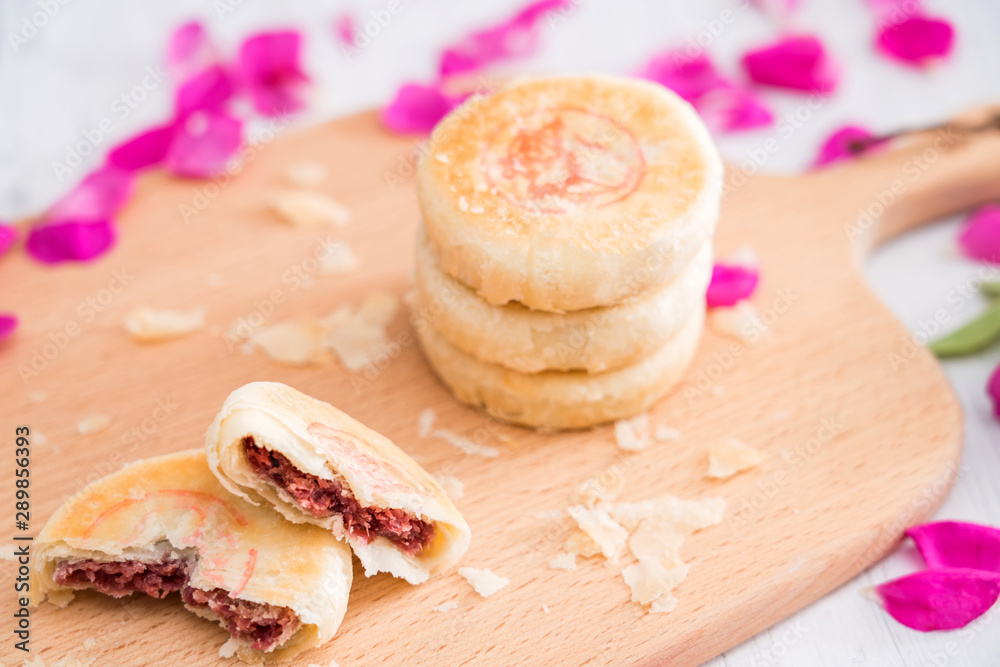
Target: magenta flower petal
{"points": [[993, 389], [798, 62], [345, 27], [271, 71], [189, 50], [734, 109], [144, 150], [70, 240], [8, 236], [940, 599], [203, 144], [98, 197], [8, 324], [837, 145], [416, 109], [517, 36], [980, 237], [731, 284], [208, 90], [689, 77], [958, 544], [916, 40]]}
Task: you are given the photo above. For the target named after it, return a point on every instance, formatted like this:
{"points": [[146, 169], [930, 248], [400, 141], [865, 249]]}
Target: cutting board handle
{"points": [[921, 176]]}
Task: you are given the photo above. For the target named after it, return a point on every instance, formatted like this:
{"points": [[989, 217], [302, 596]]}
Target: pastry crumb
{"points": [[564, 561], [632, 435], [731, 456], [483, 581], [89, 642], [545, 609], [306, 174], [581, 544], [338, 259], [293, 342], [92, 424], [666, 433], [597, 523], [425, 422], [466, 445], [153, 325], [446, 606], [309, 210], [228, 649]]}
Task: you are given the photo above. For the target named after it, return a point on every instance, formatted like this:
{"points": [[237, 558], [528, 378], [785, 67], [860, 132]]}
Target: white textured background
{"points": [[71, 75]]}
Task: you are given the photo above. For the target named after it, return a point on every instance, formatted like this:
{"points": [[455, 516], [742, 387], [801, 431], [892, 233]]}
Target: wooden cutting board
{"points": [[859, 427]]}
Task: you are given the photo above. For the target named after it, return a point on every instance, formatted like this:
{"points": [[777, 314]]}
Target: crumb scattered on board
{"points": [[545, 609], [653, 530], [632, 434], [451, 485], [338, 259], [483, 581], [152, 325], [356, 335], [306, 174], [446, 606], [309, 210], [739, 322], [470, 447], [92, 424], [564, 561], [731, 456], [425, 422], [664, 433]]}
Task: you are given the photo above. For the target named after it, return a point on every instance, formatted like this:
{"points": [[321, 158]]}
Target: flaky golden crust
{"points": [[531, 341], [173, 505], [570, 192], [321, 440], [563, 400]]}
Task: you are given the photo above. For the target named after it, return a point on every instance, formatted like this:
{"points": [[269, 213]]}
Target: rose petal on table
{"points": [[837, 146], [345, 28], [70, 240], [730, 284], [511, 38], [189, 50], [146, 149], [691, 77], [797, 62], [939, 599], [958, 544], [417, 108], [208, 90], [980, 235], [734, 109], [993, 389], [916, 40], [271, 70], [8, 325], [203, 144], [99, 196], [8, 236]]}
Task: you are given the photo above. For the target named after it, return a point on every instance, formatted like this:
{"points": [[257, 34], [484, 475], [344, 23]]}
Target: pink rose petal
{"points": [[8, 324], [940, 599], [271, 71], [203, 144], [99, 196], [189, 50], [515, 37], [345, 27], [70, 240], [993, 389], [145, 149], [208, 90], [798, 62], [980, 237], [916, 40], [958, 544], [730, 284], [837, 145], [417, 108], [722, 104], [8, 236]]}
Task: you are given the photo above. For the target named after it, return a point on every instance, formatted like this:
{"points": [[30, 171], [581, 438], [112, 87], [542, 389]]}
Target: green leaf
{"points": [[990, 289], [977, 335]]}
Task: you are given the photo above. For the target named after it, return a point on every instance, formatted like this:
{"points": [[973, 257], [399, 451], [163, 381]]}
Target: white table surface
{"points": [[66, 78]]}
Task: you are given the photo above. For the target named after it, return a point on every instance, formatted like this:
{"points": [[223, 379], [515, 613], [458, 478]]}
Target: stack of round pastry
{"points": [[565, 248]]}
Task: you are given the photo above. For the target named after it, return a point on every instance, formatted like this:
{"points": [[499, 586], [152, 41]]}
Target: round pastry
{"points": [[530, 341], [563, 400], [571, 192]]}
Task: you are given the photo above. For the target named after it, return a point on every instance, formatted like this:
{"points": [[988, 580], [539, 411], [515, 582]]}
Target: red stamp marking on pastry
{"points": [[381, 475], [561, 158], [247, 573], [180, 494]]}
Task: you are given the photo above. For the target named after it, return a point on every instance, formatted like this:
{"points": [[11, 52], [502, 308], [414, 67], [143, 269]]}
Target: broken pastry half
{"points": [[275, 446], [166, 525]]}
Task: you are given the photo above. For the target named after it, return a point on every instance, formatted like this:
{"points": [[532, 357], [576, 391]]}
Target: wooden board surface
{"points": [[860, 429]]}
